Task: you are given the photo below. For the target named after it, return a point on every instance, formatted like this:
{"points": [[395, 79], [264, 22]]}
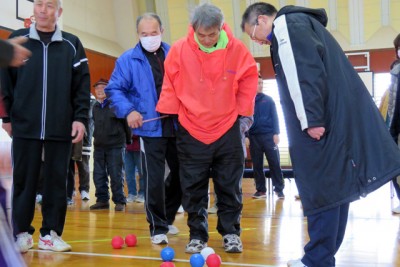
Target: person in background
{"points": [[47, 101], [12, 53], [110, 135], [81, 156], [210, 82], [264, 139], [340, 150], [133, 166], [393, 112], [134, 90]]}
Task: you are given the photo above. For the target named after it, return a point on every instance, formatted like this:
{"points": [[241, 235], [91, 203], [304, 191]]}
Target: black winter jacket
{"points": [[48, 93], [109, 131], [319, 88]]}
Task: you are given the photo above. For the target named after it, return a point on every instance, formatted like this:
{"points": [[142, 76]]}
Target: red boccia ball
{"points": [[130, 240], [167, 264], [213, 260], [117, 242]]}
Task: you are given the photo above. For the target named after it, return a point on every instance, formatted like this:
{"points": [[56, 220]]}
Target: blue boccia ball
{"points": [[197, 260], [167, 254]]}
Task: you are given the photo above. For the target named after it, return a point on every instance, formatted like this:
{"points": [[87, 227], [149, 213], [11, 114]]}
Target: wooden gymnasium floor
{"points": [[274, 231]]}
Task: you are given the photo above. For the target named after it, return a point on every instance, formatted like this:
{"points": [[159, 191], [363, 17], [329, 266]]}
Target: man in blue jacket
{"points": [[134, 90], [264, 138], [339, 145]]}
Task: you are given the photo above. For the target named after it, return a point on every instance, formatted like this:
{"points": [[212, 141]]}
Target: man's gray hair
{"points": [[207, 16], [59, 4], [148, 15]]}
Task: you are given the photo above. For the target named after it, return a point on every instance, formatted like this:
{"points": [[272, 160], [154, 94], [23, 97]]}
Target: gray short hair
{"points": [[207, 16], [59, 4], [148, 15]]}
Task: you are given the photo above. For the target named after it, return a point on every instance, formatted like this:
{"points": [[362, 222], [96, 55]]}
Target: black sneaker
{"points": [[232, 243], [120, 207], [260, 194], [280, 194], [100, 206]]}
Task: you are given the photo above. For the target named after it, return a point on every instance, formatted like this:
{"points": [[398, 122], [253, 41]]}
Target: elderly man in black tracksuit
{"points": [[264, 138], [13, 54], [47, 102], [339, 145]]}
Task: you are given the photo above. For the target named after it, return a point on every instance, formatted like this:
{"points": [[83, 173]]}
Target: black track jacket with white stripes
{"points": [[48, 93], [320, 88]]}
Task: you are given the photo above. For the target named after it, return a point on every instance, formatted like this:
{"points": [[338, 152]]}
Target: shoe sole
{"points": [[55, 250], [192, 251], [234, 250], [260, 197], [25, 251], [160, 243]]}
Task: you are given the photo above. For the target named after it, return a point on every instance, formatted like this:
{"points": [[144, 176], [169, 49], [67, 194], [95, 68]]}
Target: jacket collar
{"points": [[193, 43], [33, 34]]}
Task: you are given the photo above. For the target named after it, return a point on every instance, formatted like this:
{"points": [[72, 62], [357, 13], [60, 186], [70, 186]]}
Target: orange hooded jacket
{"points": [[208, 91]]}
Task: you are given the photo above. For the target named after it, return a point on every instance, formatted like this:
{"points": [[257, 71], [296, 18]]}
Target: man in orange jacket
{"points": [[210, 81]]}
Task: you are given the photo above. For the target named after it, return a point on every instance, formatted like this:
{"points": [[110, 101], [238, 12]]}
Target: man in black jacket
{"points": [[47, 101], [339, 145], [12, 54], [110, 137], [264, 138]]}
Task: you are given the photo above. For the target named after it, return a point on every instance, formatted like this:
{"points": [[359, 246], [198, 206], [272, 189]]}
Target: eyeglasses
{"points": [[254, 31]]}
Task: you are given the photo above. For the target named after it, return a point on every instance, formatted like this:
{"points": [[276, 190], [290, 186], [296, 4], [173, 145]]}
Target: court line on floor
{"points": [[145, 258]]}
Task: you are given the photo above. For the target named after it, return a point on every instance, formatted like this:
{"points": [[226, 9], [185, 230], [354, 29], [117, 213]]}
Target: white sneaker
{"points": [[232, 243], [39, 198], [212, 210], [295, 263], [140, 199], [53, 242], [85, 195], [160, 239], [181, 210], [24, 242], [173, 230], [396, 210], [131, 198]]}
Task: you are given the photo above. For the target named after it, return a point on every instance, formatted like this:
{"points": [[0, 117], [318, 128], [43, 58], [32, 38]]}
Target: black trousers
{"points": [[109, 162], [27, 155], [260, 144], [83, 172], [163, 196], [226, 160]]}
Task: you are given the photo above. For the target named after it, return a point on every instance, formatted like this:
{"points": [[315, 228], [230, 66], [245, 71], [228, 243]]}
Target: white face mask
{"points": [[398, 53], [151, 43]]}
